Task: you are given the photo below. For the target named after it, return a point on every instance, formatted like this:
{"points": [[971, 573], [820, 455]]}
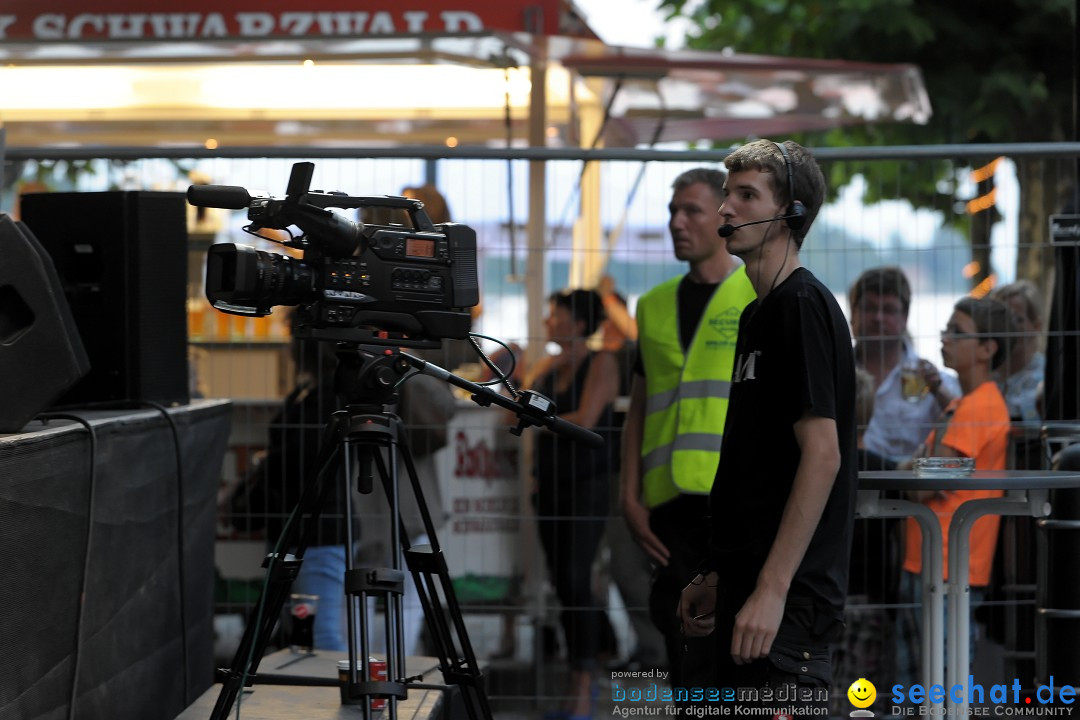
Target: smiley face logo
{"points": [[862, 693]]}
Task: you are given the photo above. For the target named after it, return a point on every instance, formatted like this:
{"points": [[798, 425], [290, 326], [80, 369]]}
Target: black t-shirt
{"points": [[692, 300], [793, 356], [275, 485]]}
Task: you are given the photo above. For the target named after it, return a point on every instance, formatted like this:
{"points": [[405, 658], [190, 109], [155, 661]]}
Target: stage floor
{"points": [[288, 702]]}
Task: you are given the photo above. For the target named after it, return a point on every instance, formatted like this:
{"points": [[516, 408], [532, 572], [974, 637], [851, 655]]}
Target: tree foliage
{"points": [[998, 71]]}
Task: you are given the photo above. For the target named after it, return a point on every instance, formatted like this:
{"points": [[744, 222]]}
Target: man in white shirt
{"points": [[880, 299]]}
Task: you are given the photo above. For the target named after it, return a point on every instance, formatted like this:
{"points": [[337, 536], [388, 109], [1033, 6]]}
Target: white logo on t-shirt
{"points": [[745, 366]]}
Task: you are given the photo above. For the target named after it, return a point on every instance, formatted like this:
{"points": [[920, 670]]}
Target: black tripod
{"points": [[356, 438]]}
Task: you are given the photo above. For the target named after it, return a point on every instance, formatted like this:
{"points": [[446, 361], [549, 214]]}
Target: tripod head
{"points": [[369, 375]]}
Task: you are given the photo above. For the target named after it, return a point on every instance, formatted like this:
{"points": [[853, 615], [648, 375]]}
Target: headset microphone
{"points": [[727, 230]]}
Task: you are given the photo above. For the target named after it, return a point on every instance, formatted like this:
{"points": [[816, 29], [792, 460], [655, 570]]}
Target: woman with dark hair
{"points": [[572, 479]]}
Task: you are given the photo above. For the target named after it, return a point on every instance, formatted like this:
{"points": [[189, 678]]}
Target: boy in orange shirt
{"points": [[974, 343]]}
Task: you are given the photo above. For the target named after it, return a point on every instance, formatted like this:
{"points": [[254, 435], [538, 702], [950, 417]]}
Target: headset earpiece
{"points": [[796, 211], [796, 215]]}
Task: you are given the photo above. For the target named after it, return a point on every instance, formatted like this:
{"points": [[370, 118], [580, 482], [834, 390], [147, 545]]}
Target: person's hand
{"points": [[606, 286], [697, 606], [637, 519], [931, 377], [930, 374], [756, 625]]}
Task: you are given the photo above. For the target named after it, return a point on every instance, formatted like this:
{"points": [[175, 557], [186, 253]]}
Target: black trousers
{"points": [[571, 516], [682, 525], [797, 671]]}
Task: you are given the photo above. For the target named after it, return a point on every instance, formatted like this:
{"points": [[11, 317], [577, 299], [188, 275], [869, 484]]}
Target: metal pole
{"points": [[3, 145], [535, 292], [431, 172]]}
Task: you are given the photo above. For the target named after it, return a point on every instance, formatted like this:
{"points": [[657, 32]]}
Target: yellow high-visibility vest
{"points": [[686, 393]]}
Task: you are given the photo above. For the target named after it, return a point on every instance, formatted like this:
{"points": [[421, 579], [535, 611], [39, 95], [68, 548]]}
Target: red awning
{"points": [[61, 21], [660, 95]]}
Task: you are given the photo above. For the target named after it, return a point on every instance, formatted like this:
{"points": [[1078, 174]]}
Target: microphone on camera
{"points": [[727, 229], [229, 197]]}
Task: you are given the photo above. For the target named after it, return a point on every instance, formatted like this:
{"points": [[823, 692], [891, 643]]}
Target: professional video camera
{"points": [[415, 283]]}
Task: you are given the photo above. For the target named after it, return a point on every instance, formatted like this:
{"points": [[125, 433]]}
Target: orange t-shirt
{"points": [[979, 429]]}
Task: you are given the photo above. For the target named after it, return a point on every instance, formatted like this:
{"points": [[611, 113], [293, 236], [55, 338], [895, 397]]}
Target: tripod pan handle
{"points": [[575, 432]]}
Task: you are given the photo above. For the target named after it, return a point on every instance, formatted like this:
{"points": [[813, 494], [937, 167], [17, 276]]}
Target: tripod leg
{"points": [[438, 599], [281, 570], [370, 583], [350, 599]]}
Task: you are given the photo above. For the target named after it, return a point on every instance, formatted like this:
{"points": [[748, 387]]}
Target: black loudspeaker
{"points": [[122, 259], [41, 354]]}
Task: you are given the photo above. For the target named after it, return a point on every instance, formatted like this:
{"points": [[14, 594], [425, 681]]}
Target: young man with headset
{"points": [[782, 506], [687, 327]]}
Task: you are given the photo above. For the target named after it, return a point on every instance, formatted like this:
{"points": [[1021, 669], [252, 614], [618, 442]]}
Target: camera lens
{"points": [[244, 277]]}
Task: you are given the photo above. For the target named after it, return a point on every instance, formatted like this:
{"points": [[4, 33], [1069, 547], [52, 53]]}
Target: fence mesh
{"points": [[912, 212]]}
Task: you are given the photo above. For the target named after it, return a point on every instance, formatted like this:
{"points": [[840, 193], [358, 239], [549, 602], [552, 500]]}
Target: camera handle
{"points": [[372, 372], [531, 408]]}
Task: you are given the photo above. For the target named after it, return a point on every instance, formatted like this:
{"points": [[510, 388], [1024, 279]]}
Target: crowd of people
{"points": [[753, 403]]}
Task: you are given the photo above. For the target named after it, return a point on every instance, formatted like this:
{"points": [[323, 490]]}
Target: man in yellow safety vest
{"points": [[687, 329]]}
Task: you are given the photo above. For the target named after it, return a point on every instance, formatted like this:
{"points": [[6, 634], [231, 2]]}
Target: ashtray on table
{"points": [[944, 466]]}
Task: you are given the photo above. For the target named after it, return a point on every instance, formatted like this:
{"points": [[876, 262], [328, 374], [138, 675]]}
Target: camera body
{"points": [[354, 280]]}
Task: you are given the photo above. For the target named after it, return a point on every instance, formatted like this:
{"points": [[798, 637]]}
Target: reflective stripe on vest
{"points": [[686, 393]]}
